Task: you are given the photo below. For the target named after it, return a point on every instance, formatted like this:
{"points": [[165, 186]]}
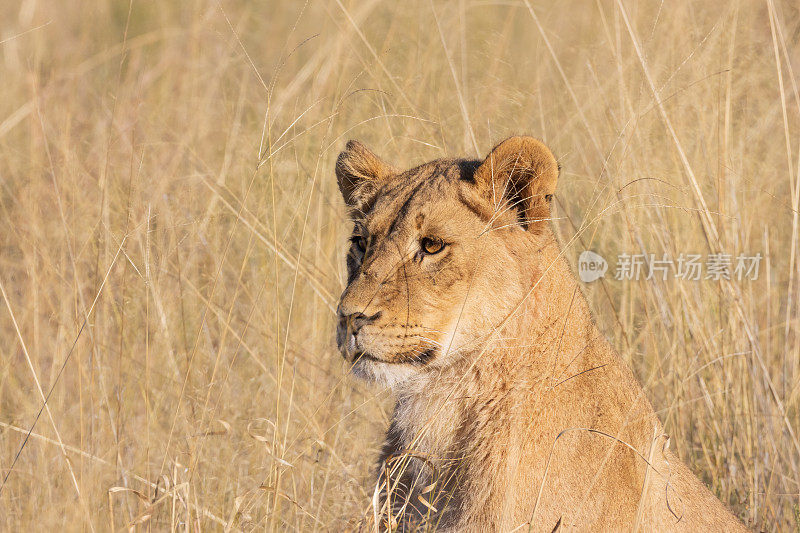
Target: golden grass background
{"points": [[166, 179]]}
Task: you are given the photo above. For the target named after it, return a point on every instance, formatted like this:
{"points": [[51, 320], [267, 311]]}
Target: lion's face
{"points": [[434, 259]]}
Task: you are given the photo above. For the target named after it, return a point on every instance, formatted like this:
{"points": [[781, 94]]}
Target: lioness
{"points": [[513, 411]]}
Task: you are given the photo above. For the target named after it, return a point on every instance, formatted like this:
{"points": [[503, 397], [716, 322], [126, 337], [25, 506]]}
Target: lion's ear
{"points": [[520, 173], [360, 173]]}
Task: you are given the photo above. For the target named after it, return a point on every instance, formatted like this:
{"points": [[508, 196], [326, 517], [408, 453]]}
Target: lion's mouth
{"points": [[415, 358], [354, 353], [362, 356], [389, 369]]}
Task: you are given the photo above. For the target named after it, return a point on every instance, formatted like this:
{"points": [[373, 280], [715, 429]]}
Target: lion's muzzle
{"points": [[347, 330]]}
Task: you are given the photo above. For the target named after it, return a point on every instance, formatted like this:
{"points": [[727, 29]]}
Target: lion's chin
{"points": [[381, 373]]}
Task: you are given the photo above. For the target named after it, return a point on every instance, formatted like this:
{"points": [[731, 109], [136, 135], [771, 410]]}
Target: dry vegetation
{"points": [[172, 239]]}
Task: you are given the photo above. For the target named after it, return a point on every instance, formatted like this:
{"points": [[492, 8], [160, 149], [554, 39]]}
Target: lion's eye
{"points": [[432, 245]]}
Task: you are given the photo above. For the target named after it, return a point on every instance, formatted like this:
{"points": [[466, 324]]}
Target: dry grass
{"points": [[172, 239]]}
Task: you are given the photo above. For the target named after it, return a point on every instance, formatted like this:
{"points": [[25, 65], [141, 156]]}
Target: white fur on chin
{"points": [[389, 375]]}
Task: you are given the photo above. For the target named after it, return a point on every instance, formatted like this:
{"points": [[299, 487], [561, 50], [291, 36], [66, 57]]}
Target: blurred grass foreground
{"points": [[172, 237]]}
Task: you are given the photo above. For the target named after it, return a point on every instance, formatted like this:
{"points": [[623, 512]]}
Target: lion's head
{"points": [[440, 254]]}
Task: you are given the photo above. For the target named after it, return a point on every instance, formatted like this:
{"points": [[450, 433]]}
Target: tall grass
{"points": [[172, 239]]}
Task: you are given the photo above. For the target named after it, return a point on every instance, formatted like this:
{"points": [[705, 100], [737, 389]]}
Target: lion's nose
{"points": [[349, 326], [355, 321]]}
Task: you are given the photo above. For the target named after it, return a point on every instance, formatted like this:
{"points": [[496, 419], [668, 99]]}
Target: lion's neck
{"points": [[558, 313]]}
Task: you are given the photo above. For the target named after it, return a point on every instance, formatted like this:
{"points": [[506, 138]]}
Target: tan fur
{"points": [[513, 411]]}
